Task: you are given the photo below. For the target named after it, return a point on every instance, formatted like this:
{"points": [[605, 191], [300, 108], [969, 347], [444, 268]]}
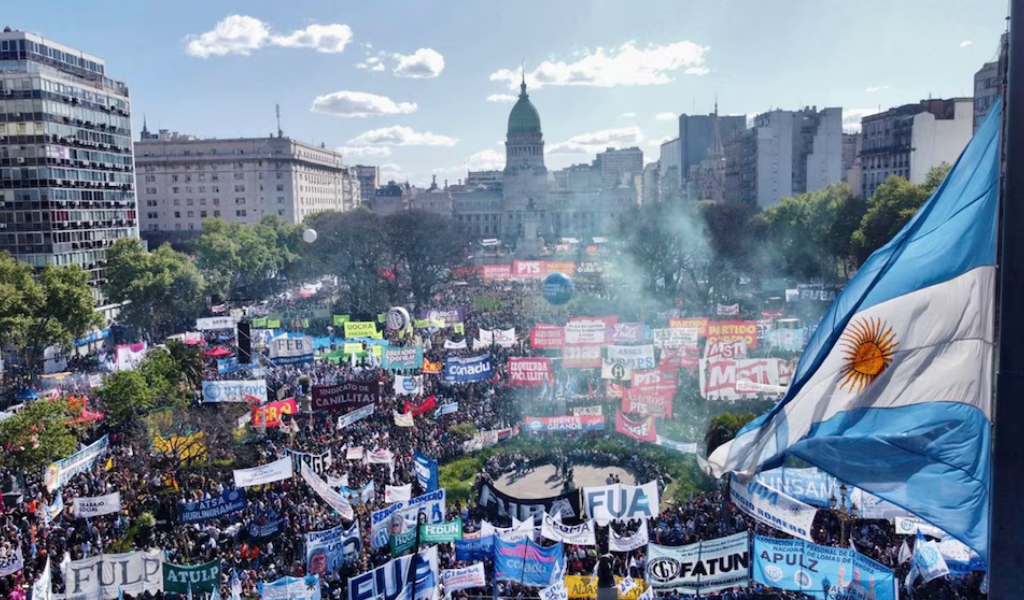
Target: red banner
{"points": [[421, 408], [496, 272], [547, 336], [662, 379], [432, 367], [269, 415], [581, 357], [726, 331], [700, 323], [644, 402], [727, 350], [529, 269], [681, 357], [642, 431], [528, 371]]}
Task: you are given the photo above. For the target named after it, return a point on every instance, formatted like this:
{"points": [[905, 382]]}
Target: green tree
{"points": [[246, 262], [892, 205], [425, 246], [188, 361], [723, 428], [37, 435], [163, 288], [354, 247], [810, 233], [125, 395], [36, 312]]}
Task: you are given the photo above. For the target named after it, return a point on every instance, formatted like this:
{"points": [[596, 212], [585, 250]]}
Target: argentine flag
{"points": [[894, 391]]}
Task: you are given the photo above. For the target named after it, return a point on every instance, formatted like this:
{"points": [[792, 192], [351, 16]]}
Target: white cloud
{"points": [[486, 160], [392, 172], [628, 115], [698, 71], [399, 135], [876, 88], [323, 38], [360, 104], [422, 64], [241, 34], [666, 116], [501, 98], [852, 117], [625, 65], [372, 63], [657, 142], [965, 43], [236, 34], [597, 141], [365, 150]]}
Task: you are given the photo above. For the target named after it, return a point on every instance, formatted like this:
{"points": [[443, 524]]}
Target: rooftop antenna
{"points": [[277, 107]]}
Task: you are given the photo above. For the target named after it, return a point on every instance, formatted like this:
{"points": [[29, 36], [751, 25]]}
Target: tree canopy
{"points": [[246, 262], [37, 435], [50, 307]]}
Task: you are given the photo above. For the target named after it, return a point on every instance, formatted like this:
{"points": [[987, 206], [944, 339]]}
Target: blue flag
{"points": [[893, 393], [426, 472]]}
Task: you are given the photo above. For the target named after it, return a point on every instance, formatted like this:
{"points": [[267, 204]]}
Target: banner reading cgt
{"points": [[465, 370]]}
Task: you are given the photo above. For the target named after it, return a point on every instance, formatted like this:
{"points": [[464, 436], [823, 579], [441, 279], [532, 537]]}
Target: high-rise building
{"points": [[696, 133], [184, 180], [369, 181], [65, 156], [618, 166], [785, 153], [651, 190], [671, 170], [910, 140], [988, 85]]}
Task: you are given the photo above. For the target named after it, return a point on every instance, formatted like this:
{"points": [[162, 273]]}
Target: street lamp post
{"points": [[844, 514]]}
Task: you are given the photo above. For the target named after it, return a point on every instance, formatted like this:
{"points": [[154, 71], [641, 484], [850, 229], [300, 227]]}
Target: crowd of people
{"points": [[265, 540]]}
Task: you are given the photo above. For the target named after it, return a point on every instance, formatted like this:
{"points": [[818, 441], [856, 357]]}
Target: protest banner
{"points": [[701, 568], [527, 563], [270, 414], [698, 323], [635, 357], [329, 495], [547, 336], [498, 505], [212, 323], [361, 329], [344, 396], [733, 330], [327, 551], [584, 587], [465, 370], [291, 588], [628, 542], [401, 358], [418, 410], [640, 401], [641, 431], [723, 379], [235, 391], [626, 333], [426, 471], [288, 350], [673, 337], [585, 332], [107, 576], [12, 562], [581, 357], [391, 581], [356, 415], [86, 508], [621, 501], [579, 535], [528, 371], [529, 269], [822, 571], [431, 504], [230, 501], [472, 576], [736, 348], [60, 472], [546, 424], [408, 385], [318, 462], [278, 470], [773, 508], [184, 579], [497, 272], [586, 411]]}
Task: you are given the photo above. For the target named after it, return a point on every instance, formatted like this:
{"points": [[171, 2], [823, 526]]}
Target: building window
{"points": [[240, 213], [280, 212], [216, 213], [191, 214], [216, 201], [280, 199], [202, 214], [239, 176], [189, 202], [216, 189], [202, 202], [150, 178], [177, 214], [280, 175], [153, 215], [239, 200], [150, 202], [174, 179], [177, 226], [177, 201], [176, 189], [239, 188], [280, 187], [191, 226], [214, 177]]}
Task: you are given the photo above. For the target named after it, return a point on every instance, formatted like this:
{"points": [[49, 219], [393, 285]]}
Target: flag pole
{"points": [[1006, 527]]}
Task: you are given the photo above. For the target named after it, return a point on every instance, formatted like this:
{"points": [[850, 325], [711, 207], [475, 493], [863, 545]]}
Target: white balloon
{"points": [[309, 236]]}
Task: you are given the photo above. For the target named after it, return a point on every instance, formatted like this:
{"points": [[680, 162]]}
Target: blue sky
{"points": [[417, 86]]}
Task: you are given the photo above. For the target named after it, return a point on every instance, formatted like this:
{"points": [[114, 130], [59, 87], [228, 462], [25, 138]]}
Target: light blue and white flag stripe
{"points": [[894, 391]]}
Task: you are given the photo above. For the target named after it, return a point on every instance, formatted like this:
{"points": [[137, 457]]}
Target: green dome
{"points": [[524, 117]]}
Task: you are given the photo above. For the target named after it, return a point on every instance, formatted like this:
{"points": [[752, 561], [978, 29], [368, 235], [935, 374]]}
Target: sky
{"points": [[424, 87]]}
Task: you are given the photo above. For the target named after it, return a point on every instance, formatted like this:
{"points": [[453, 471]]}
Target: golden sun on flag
{"points": [[868, 345]]}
